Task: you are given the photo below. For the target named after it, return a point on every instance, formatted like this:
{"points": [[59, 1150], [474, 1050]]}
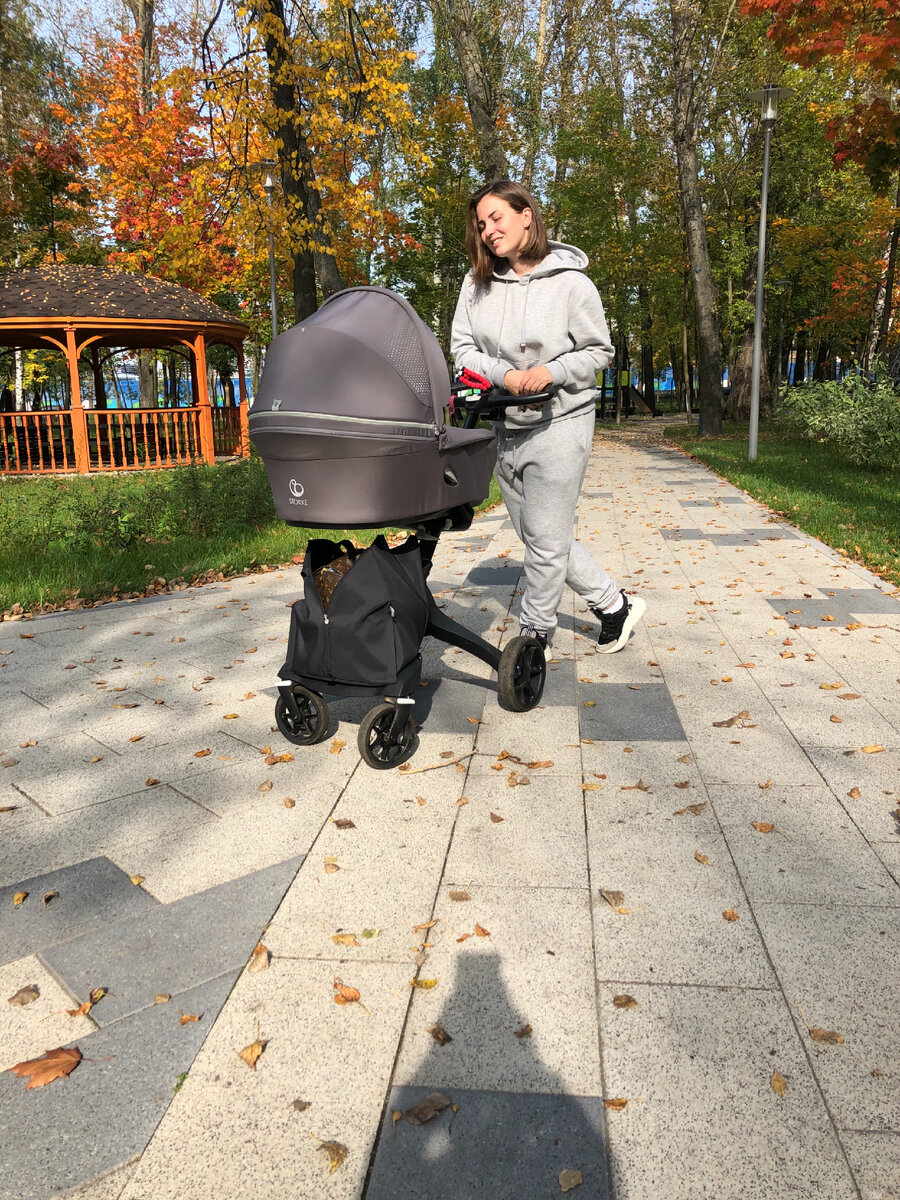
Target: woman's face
{"points": [[503, 230]]}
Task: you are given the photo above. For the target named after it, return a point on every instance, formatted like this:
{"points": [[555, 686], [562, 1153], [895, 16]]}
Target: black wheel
{"points": [[520, 676], [302, 716], [387, 737]]}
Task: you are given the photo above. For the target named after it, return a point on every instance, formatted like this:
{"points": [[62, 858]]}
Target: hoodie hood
{"points": [[562, 257]]}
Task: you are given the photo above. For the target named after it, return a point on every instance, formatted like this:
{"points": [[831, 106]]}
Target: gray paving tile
{"points": [[174, 947], [91, 894], [104, 1113], [875, 1161], [839, 965], [620, 712], [488, 576], [810, 612], [688, 534], [506, 1145], [866, 600], [703, 1122]]}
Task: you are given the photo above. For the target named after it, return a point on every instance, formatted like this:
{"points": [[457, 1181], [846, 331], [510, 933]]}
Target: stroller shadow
{"points": [[514, 1130]]}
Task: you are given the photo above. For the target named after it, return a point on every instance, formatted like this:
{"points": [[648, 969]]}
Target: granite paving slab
{"points": [[636, 712], [504, 1145], [173, 947], [28, 1030], [104, 1113], [875, 1161], [487, 576], [91, 893]]}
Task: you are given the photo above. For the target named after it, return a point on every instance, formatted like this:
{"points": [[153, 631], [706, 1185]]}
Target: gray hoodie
{"points": [[551, 317]]}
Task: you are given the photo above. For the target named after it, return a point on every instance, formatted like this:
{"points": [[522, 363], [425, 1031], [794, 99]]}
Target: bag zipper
{"points": [[379, 422]]}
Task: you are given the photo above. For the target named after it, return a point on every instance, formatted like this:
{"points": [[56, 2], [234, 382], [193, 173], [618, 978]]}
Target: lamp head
{"points": [[768, 98]]}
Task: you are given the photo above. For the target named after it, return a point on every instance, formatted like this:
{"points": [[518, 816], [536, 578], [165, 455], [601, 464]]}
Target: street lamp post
{"points": [[768, 97], [269, 188]]}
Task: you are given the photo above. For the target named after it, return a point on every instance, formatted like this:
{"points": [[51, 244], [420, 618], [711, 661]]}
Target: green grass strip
{"points": [[854, 509]]}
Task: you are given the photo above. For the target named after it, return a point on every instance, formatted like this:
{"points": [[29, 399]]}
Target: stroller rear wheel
{"points": [[387, 737], [302, 716], [520, 676]]}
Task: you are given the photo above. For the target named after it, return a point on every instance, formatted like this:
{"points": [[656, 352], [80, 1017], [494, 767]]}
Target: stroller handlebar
{"points": [[490, 403]]}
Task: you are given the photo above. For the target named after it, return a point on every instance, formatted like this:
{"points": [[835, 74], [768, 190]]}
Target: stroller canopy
{"points": [[349, 419]]}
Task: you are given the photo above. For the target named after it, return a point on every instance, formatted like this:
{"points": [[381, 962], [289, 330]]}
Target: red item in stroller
{"points": [[349, 422]]}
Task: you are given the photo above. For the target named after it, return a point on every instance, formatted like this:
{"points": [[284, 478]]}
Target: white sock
{"points": [[616, 604]]}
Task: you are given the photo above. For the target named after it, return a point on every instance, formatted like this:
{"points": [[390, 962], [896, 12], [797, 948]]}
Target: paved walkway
{"points": [[658, 918]]}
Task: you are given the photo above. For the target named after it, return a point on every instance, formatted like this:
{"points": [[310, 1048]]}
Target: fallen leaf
{"points": [[701, 858], [827, 1037], [259, 959], [344, 823], [9, 762], [370, 933], [331, 868], [97, 994], [337, 1153], [640, 786], [731, 721], [854, 793], [272, 760], [473, 720], [524, 1032], [137, 880], [767, 784], [48, 898], [685, 758], [427, 1109], [830, 687], [496, 818], [570, 1178], [836, 720], [162, 998], [425, 925], [460, 895], [187, 1018], [250, 1054], [336, 747], [19, 898], [873, 748], [151, 782], [849, 696], [201, 753], [55, 1064], [778, 1083], [623, 1000], [613, 899], [694, 809], [730, 915], [424, 984], [446, 754], [138, 737], [265, 786], [763, 826], [345, 939], [231, 716], [685, 783], [81, 1011], [616, 1105], [481, 931], [289, 802], [26, 995], [590, 703], [440, 1035]]}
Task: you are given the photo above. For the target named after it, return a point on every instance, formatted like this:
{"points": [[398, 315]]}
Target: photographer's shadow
{"points": [[508, 1132]]}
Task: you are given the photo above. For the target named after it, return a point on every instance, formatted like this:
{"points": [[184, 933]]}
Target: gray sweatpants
{"points": [[540, 472]]}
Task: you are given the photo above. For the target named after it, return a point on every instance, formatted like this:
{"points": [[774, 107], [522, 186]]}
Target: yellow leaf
{"points": [[336, 1152], [259, 959], [337, 746], [345, 939], [854, 793], [19, 898], [763, 826], [730, 915], [570, 1178], [874, 748], [623, 1000], [615, 1105], [231, 716], [424, 984], [250, 1054], [778, 1083], [481, 931], [137, 880], [701, 858], [765, 785]]}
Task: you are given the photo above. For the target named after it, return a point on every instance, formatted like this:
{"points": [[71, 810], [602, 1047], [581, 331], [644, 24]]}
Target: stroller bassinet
{"points": [[349, 421]]}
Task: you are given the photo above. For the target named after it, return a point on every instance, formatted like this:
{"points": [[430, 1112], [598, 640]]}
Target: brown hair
{"points": [[481, 256]]}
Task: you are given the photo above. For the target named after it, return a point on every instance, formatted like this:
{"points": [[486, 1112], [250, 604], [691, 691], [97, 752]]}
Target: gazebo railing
{"points": [[36, 443], [139, 439], [227, 431]]}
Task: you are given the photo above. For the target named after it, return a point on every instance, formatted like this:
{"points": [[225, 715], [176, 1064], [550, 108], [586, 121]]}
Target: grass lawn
{"points": [[853, 509], [81, 540]]}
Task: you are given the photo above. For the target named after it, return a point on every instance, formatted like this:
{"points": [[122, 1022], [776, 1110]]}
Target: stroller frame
{"points": [[387, 734]]}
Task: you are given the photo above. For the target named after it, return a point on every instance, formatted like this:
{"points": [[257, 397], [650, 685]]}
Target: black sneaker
{"points": [[616, 627], [538, 634]]}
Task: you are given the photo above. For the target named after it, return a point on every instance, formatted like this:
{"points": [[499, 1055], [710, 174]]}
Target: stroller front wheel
{"points": [[302, 716], [386, 737], [520, 676]]}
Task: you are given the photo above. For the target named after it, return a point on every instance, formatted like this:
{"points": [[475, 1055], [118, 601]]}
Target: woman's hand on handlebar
{"points": [[524, 383]]}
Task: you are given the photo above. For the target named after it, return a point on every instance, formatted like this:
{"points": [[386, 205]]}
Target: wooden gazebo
{"points": [[78, 309]]}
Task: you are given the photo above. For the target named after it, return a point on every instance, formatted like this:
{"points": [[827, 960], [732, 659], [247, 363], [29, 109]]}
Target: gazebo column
{"points": [[201, 398], [242, 399], [77, 415]]}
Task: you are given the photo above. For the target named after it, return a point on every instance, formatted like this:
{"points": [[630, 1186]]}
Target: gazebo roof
{"points": [[118, 307]]}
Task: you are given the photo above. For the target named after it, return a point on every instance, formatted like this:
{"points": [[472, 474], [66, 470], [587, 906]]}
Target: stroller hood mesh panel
{"points": [[349, 419]]}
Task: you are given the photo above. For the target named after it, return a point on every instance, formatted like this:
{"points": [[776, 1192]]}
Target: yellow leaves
{"points": [[874, 748], [778, 1083], [830, 687], [343, 994], [336, 746], [19, 898], [424, 985], [345, 939]]}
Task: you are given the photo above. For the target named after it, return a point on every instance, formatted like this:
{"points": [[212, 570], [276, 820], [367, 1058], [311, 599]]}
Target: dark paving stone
{"points": [[503, 1145], [445, 705], [810, 612], [597, 495], [698, 503], [104, 1113], [493, 576], [866, 600], [688, 534], [173, 948], [771, 533], [629, 713], [91, 894]]}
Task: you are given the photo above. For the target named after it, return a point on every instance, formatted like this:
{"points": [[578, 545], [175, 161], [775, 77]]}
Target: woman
{"points": [[530, 320]]}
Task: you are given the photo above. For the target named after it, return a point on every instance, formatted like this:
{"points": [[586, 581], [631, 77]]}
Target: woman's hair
{"points": [[482, 257]]}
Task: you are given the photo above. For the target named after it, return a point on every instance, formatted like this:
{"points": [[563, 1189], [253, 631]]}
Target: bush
{"points": [[859, 417], [126, 511]]}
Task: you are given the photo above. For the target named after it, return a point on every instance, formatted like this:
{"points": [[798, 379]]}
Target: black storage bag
{"points": [[375, 621]]}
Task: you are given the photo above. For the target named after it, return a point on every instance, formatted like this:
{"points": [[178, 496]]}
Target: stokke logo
{"points": [[297, 491]]}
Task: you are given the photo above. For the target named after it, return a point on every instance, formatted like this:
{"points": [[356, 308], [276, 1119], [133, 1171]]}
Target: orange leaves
{"points": [[55, 1064]]}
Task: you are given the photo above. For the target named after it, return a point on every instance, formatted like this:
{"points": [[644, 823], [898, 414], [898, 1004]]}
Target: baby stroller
{"points": [[350, 423]]}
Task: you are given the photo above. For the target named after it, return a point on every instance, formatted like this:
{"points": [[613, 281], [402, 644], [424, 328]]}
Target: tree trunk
{"points": [[19, 387], [801, 342], [99, 382], [709, 329], [298, 178], [536, 90], [823, 355], [143, 12], [480, 66], [147, 379], [884, 328]]}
